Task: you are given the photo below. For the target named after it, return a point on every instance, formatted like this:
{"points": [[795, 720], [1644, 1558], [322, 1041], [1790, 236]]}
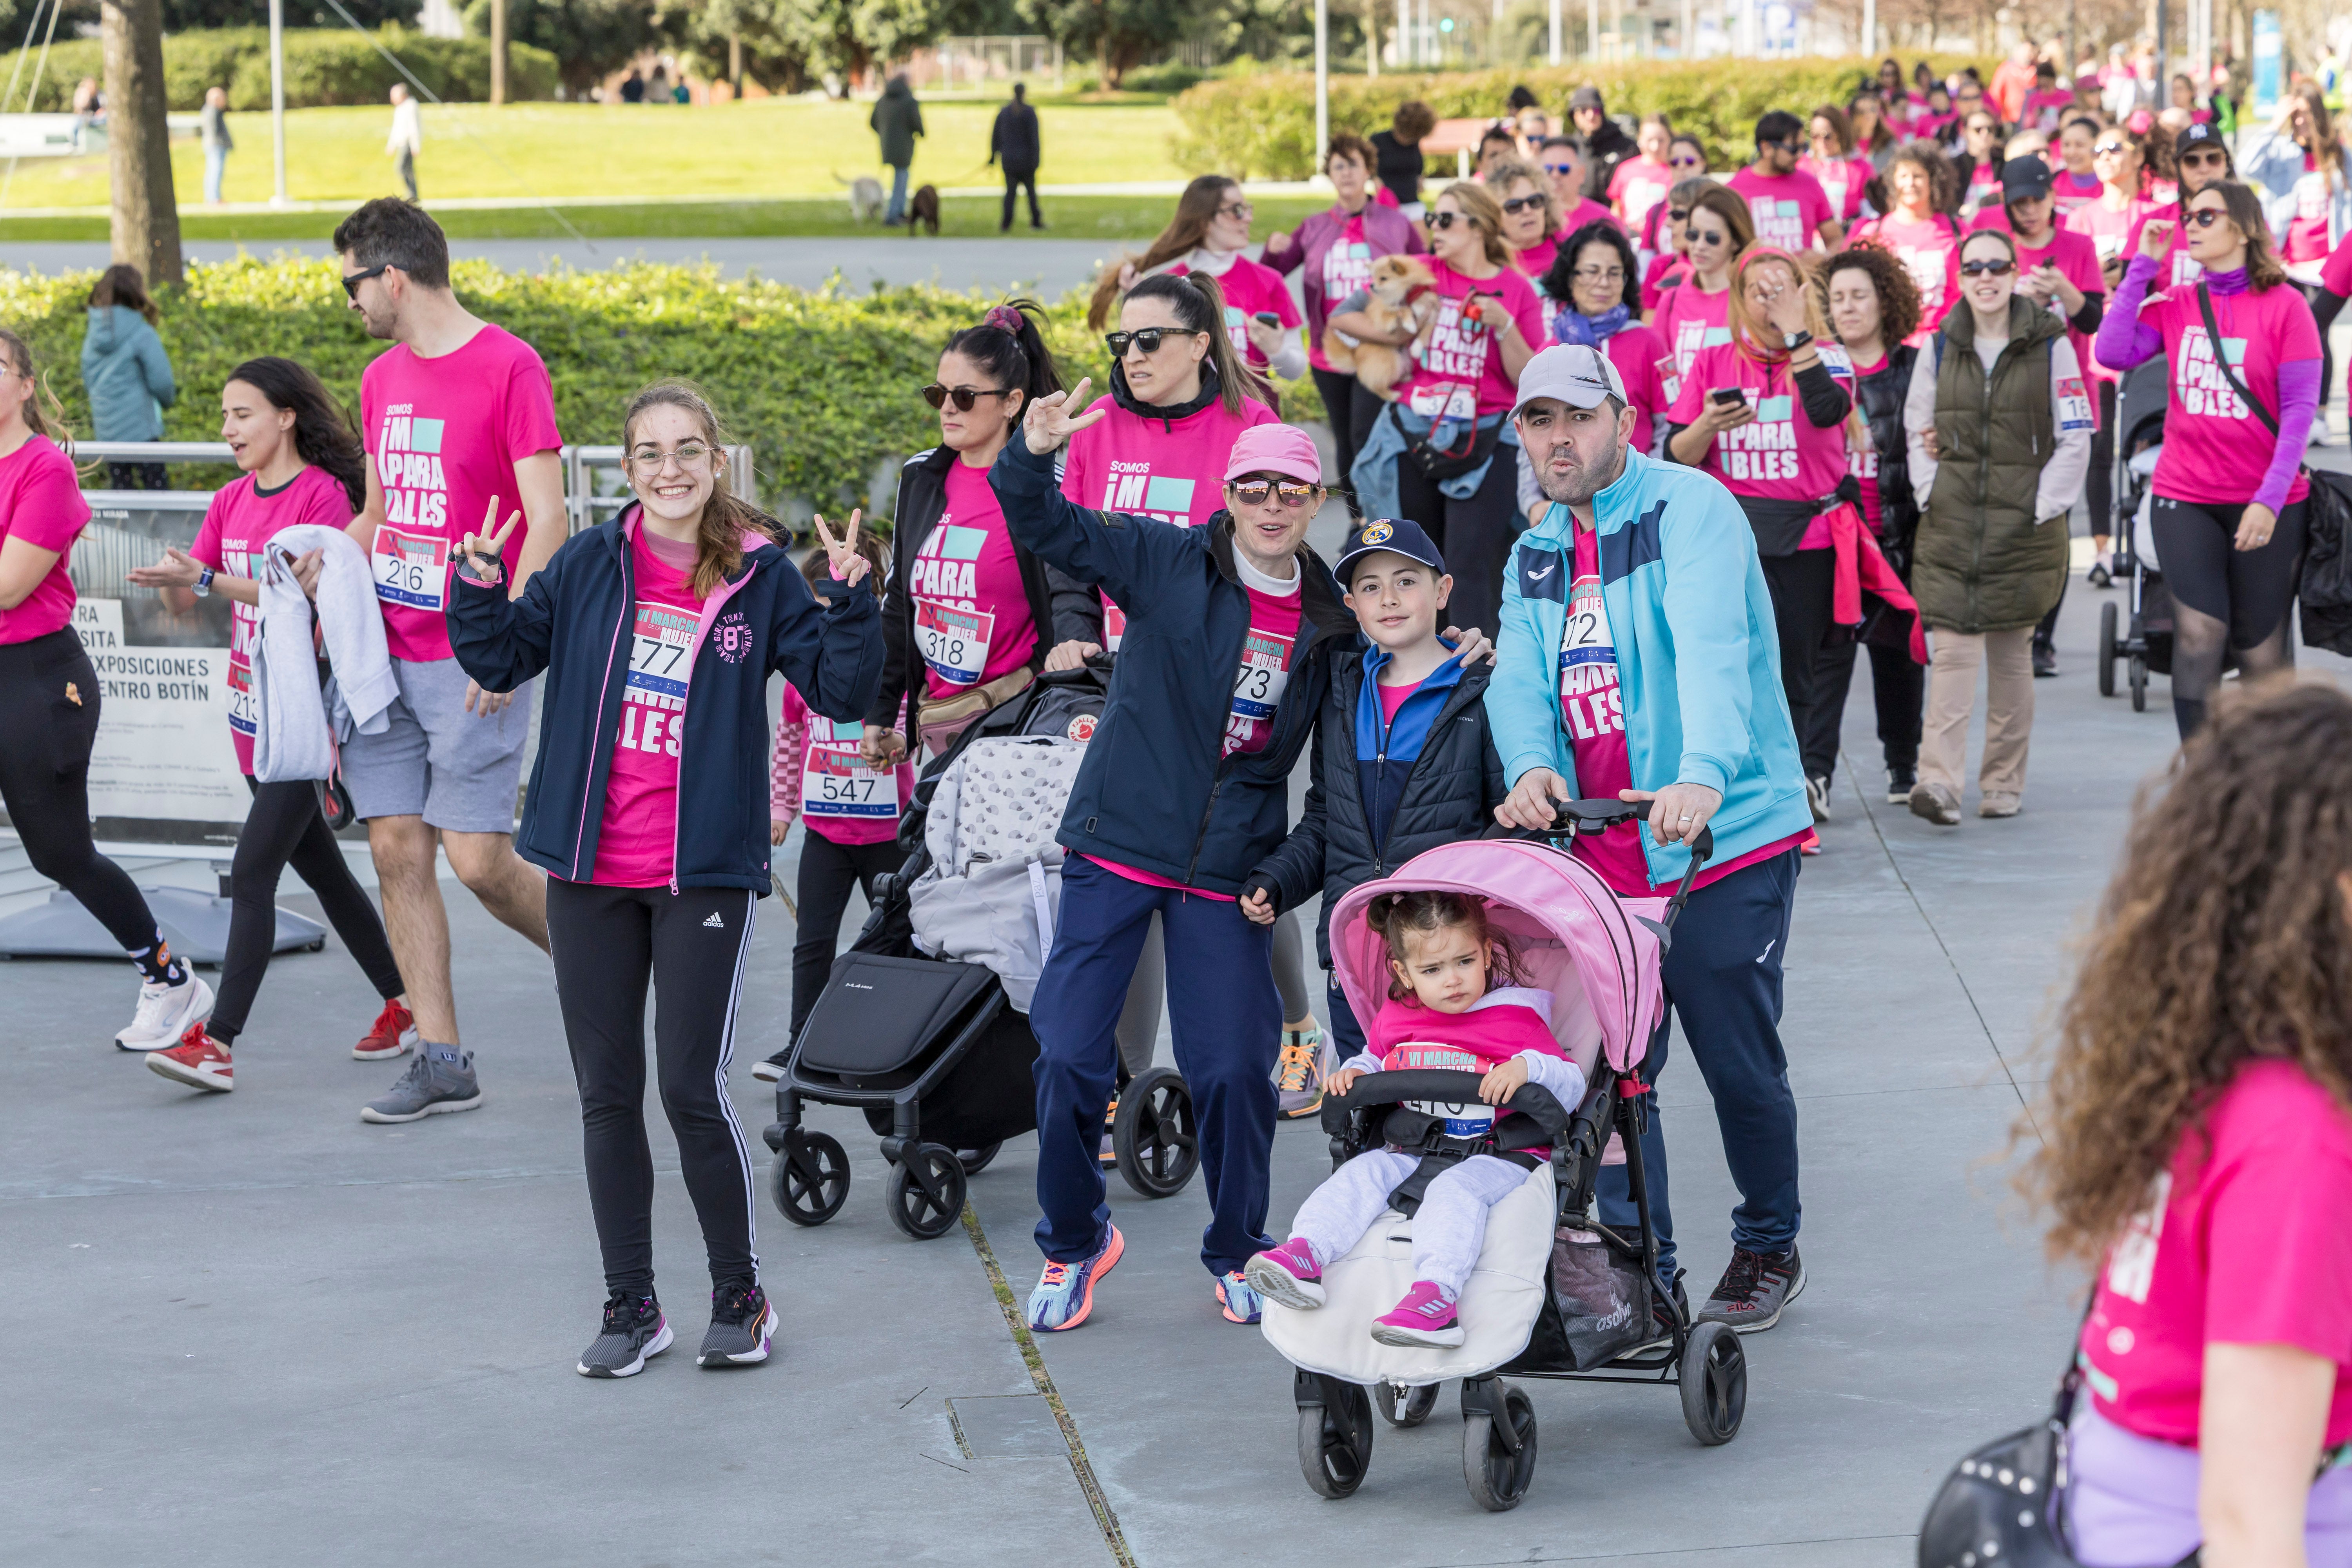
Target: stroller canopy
{"points": [[1572, 936]]}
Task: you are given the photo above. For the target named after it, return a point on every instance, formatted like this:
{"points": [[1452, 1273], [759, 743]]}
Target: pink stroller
{"points": [[1555, 1293]]}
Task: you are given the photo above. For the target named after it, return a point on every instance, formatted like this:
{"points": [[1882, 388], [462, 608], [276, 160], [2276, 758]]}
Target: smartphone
{"points": [[1727, 395], [1269, 318]]}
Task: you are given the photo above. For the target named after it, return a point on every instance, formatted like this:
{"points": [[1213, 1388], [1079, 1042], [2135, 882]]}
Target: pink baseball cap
{"points": [[1284, 449]]}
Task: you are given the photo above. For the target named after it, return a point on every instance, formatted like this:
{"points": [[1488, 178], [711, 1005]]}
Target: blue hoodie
{"points": [[127, 375], [1698, 657]]}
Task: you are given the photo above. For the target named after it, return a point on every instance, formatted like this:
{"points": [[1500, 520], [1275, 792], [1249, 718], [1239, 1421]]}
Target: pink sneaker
{"points": [[1424, 1318], [1287, 1274]]}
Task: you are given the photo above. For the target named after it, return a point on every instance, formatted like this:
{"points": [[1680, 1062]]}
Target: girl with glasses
{"points": [[1686, 161], [2000, 434], [1531, 217], [1594, 275], [1829, 160], [1694, 307], [1670, 264], [1977, 169], [1208, 234], [1919, 232], [2228, 514], [1640, 184]]}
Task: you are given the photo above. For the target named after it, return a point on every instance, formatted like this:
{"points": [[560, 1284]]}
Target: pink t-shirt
{"points": [[1392, 698], [638, 844], [1930, 252], [1250, 288], [1536, 259], [1461, 370], [1653, 380], [2243, 1243], [1587, 211], [241, 521], [2178, 270], [2306, 231], [40, 503], [1347, 267], [1636, 186], [1789, 209], [1690, 320], [1928, 125], [2337, 276], [1780, 455], [1661, 270], [972, 610], [2069, 190], [1842, 180], [445, 436], [2109, 229], [1984, 185], [1487, 1036], [2045, 108], [841, 799], [2216, 448], [2077, 261]]}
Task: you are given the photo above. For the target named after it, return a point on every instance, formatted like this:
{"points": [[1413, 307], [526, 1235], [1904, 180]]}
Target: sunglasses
{"points": [[1518, 205], [965, 396], [2206, 217], [352, 281], [1687, 162], [2199, 160], [1986, 269], [1148, 339], [1442, 220], [1697, 235], [1678, 215], [1254, 491], [2109, 149]]}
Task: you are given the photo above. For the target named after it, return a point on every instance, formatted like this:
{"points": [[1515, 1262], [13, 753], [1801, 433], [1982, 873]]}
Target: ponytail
{"points": [[1200, 304], [1009, 347]]}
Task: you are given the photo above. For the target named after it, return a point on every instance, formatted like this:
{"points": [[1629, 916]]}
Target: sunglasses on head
{"points": [[1996, 268], [1442, 220], [2206, 217], [1147, 338], [1697, 235], [1518, 205], [965, 396], [352, 281], [1257, 488]]}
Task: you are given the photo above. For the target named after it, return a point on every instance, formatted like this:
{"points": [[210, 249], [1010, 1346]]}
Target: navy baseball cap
{"points": [[2024, 179], [1397, 535], [2198, 135]]}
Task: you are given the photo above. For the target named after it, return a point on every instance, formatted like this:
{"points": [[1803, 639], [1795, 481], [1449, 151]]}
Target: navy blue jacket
{"points": [[1153, 792], [1383, 793], [573, 621]]}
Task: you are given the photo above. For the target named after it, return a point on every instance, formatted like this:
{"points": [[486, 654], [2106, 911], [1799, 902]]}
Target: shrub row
{"points": [[1262, 126], [323, 66]]}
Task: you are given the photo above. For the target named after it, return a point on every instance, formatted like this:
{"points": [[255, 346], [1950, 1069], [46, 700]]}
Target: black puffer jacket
{"points": [[1880, 396], [1448, 793]]}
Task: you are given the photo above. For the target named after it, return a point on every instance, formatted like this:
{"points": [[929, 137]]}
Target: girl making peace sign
{"points": [[648, 809]]}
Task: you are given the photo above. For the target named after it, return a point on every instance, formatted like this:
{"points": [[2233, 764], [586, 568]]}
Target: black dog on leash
{"points": [[923, 207]]}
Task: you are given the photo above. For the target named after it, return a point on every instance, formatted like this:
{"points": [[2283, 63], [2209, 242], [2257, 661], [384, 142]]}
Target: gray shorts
{"points": [[458, 769]]}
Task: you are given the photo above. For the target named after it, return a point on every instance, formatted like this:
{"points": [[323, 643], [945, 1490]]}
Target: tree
{"points": [[588, 38], [1118, 33], [146, 226]]}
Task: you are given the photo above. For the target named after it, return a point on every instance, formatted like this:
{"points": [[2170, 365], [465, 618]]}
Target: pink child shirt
{"points": [[1789, 209], [443, 436], [1461, 372], [241, 521], [637, 846], [1506, 1022], [971, 610], [815, 774], [40, 504]]}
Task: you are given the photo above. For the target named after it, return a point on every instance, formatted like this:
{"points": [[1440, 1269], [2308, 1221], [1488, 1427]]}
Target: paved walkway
{"points": [[262, 1334]]}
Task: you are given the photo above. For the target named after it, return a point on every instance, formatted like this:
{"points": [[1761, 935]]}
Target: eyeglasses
{"points": [[965, 396], [1147, 338], [690, 454], [1697, 235], [1986, 269], [2206, 217], [1983, 127], [1240, 210], [1442, 220], [352, 281], [1518, 205], [1598, 275], [1254, 491]]}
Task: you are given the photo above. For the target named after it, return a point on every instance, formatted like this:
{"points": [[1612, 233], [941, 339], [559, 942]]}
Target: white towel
{"points": [[292, 739]]}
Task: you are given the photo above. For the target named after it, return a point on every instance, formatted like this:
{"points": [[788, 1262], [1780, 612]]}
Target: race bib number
{"points": [[2073, 404], [836, 783], [954, 642], [661, 648], [1113, 627], [1265, 672], [1670, 379], [243, 712], [411, 569], [1443, 400], [1589, 704], [1470, 1118]]}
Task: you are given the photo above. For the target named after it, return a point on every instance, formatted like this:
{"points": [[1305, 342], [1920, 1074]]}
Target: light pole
{"points": [[278, 99], [1322, 76], [1554, 32]]}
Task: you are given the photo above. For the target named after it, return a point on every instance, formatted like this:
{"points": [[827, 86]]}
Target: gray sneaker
{"points": [[432, 1084], [635, 1329], [1754, 1290], [741, 1324]]}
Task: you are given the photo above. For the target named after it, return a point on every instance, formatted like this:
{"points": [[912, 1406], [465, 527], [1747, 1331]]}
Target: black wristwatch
{"points": [[1796, 340]]}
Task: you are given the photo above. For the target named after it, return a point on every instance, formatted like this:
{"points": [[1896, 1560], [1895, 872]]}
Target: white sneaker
{"points": [[166, 1011]]}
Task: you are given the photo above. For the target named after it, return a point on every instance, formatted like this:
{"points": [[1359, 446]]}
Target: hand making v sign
{"points": [[484, 557], [1049, 422], [841, 555]]}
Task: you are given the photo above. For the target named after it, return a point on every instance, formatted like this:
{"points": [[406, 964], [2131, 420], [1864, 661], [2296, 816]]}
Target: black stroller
{"points": [[2140, 637], [933, 1051]]}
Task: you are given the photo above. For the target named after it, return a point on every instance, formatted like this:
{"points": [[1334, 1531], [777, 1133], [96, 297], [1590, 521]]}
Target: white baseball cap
{"points": [[1578, 377]]}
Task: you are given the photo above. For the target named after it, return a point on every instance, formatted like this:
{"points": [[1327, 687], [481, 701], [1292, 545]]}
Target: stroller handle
{"points": [[1445, 1087], [1589, 817]]}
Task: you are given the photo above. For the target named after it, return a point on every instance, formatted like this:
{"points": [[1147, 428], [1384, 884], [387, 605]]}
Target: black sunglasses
{"points": [[1148, 339], [352, 281], [1677, 214], [965, 396], [1696, 236], [1980, 268], [2203, 156], [1518, 205], [1441, 220]]}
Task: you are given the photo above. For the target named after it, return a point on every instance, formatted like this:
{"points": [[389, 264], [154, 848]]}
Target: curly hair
{"points": [[1898, 295], [1559, 278], [1400, 918], [2222, 939], [1943, 180]]}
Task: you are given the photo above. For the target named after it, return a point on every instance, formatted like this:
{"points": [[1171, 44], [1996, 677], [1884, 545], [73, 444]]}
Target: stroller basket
{"points": [[878, 1013]]}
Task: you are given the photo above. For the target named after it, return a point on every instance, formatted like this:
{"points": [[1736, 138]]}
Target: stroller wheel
{"points": [[2139, 677], [925, 1197], [810, 1177], [1714, 1377], [1405, 1405], [2107, 649], [975, 1160], [1335, 1437], [1153, 1135], [1498, 1478]]}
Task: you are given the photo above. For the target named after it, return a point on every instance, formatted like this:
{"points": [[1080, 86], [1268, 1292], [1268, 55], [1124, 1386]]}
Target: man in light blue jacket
{"points": [[1638, 660]]}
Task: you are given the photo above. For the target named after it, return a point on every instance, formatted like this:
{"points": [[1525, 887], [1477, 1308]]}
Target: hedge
{"points": [[824, 385], [323, 66], [1262, 126]]}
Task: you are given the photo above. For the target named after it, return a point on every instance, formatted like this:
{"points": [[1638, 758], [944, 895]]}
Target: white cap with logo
{"points": [[1576, 375]]}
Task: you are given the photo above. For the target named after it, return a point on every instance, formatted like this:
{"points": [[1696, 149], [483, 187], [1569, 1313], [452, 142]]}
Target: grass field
{"points": [[760, 149]]}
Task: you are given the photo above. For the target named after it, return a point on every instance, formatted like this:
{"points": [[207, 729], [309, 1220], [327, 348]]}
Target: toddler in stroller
{"points": [[1452, 1003]]}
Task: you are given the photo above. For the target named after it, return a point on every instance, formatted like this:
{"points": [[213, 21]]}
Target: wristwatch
{"points": [[1796, 340], [204, 583]]}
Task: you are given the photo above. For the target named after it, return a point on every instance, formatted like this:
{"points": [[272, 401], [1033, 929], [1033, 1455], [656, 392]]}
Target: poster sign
{"points": [[2267, 62], [163, 749]]}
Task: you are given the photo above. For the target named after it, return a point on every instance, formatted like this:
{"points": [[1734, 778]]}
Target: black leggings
{"points": [[48, 716], [2312, 294], [1802, 584], [284, 828], [1351, 409], [608, 944], [828, 870], [1475, 536], [2224, 599], [1898, 684]]}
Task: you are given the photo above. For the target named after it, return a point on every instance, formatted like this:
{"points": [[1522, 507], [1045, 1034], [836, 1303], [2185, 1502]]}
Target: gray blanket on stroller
{"points": [[993, 890]]}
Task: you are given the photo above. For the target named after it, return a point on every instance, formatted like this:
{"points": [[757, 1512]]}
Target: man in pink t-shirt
{"points": [[458, 419], [1790, 207]]}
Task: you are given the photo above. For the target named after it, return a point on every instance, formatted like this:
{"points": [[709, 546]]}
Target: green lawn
{"points": [[765, 147]]}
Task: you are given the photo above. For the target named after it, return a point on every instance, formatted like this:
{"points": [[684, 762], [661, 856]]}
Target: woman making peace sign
{"points": [[648, 810]]}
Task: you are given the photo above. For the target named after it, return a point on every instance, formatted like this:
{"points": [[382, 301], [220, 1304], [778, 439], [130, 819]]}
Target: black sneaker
{"points": [[741, 1323], [773, 1068], [635, 1330], [2098, 576], [1754, 1290], [1901, 779], [2045, 661]]}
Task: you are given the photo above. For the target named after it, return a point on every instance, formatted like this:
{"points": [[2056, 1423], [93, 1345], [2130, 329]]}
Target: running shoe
{"points": [[741, 1324], [1065, 1292], [1755, 1287], [1937, 804], [2045, 661], [635, 1330], [1239, 1297], [1900, 782], [393, 1034], [1287, 1274], [1300, 1072], [1424, 1318], [1999, 803], [164, 1013], [2098, 576], [1109, 1154], [771, 1069], [431, 1085], [198, 1060]]}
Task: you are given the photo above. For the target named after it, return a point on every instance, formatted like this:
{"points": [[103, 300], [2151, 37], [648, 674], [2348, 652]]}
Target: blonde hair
{"points": [[1509, 172], [719, 544], [1746, 324], [1477, 203]]}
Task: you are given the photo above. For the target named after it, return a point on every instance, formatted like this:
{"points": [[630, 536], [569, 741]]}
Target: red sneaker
{"points": [[198, 1060], [393, 1034]]}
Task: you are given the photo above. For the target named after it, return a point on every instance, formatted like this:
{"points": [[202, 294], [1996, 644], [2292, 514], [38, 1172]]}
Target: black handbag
{"points": [[1438, 464]]}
